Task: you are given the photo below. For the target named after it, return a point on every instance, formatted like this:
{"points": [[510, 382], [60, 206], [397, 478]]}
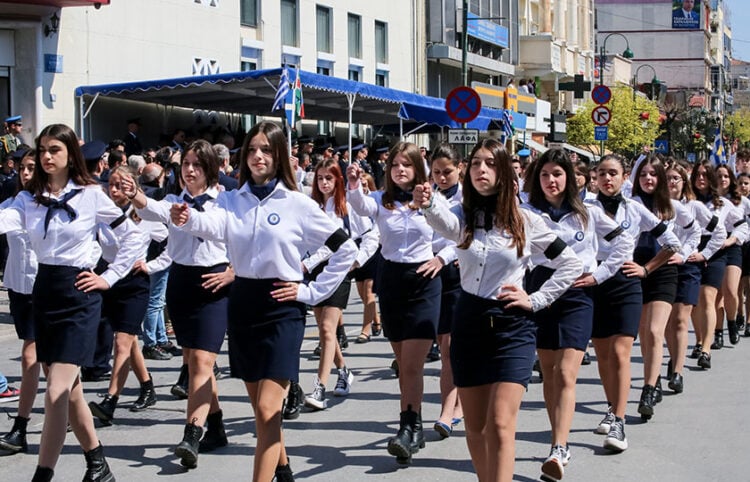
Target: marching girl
{"points": [[743, 307], [20, 272], [660, 287], [60, 209], [330, 194], [364, 277], [492, 337], [124, 305], [445, 167], [564, 328], [618, 301], [712, 238], [196, 295], [408, 288], [728, 299], [704, 182], [268, 227]]}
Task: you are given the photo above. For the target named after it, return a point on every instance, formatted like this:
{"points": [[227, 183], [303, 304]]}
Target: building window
{"points": [[355, 36], [355, 74], [381, 78], [247, 66], [289, 30], [381, 42], [324, 30], [249, 13], [323, 70]]}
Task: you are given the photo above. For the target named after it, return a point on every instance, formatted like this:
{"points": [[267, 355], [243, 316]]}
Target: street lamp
{"points": [[627, 53], [654, 81]]}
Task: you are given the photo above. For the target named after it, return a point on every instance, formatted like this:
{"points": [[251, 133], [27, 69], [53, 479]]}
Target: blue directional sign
{"points": [[601, 133], [662, 146]]}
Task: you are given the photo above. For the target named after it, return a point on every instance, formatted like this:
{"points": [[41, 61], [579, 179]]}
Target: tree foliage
{"points": [[737, 126], [634, 123]]}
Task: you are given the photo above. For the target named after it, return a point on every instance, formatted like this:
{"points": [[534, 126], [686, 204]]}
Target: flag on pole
{"points": [[299, 102], [718, 156], [507, 124], [282, 91]]}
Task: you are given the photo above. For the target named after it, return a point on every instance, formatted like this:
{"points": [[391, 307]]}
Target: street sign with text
{"points": [[463, 136], [601, 133]]}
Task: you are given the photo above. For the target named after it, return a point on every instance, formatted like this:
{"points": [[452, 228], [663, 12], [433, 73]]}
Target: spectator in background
{"points": [[131, 139], [228, 182], [151, 181], [178, 139], [136, 163], [7, 393]]}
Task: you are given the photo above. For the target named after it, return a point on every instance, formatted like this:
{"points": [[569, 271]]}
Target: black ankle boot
{"points": [[409, 438], [146, 398], [180, 388], [97, 469], [293, 402], [646, 405], [734, 333], [43, 474], [215, 435], [187, 450], [658, 395], [718, 343], [15, 440], [284, 473], [104, 410]]}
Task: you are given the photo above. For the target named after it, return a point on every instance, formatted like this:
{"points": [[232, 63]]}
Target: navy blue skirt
{"points": [[490, 344], [65, 318], [712, 271], [409, 302], [567, 322], [199, 317], [734, 255], [660, 285], [265, 336], [450, 277], [21, 309], [746, 259], [124, 304], [688, 283], [367, 270], [340, 296], [617, 306]]}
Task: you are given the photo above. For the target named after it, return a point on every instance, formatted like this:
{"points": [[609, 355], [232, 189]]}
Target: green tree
{"points": [[634, 123], [737, 126]]}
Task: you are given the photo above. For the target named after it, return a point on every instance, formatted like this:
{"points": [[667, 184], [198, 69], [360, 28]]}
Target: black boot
{"points": [[658, 395], [293, 401], [676, 383], [187, 450], [215, 435], [740, 323], [146, 398], [15, 440], [284, 473], [43, 474], [409, 438], [97, 469], [646, 405], [734, 333], [341, 336], [180, 388], [104, 410], [718, 343]]}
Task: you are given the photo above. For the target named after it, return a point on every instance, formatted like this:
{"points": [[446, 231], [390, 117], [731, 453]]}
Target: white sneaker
{"points": [[317, 399], [616, 440], [606, 423], [559, 457], [344, 383]]}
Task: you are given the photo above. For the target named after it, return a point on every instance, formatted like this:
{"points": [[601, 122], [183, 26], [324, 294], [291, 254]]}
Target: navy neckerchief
{"points": [[554, 213], [648, 201], [53, 204], [610, 203], [262, 192], [704, 198], [450, 192], [197, 202], [484, 212], [402, 196]]}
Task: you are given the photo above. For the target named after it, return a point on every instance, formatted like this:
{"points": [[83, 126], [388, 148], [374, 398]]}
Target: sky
{"points": [[740, 16]]}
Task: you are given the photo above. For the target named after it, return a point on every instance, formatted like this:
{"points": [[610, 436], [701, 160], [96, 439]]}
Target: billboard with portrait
{"points": [[686, 14]]}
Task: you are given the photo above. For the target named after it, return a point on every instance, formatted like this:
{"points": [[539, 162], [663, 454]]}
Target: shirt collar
{"points": [[212, 191]]}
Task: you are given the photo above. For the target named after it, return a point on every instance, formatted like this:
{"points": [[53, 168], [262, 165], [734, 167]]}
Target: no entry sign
{"points": [[463, 104]]}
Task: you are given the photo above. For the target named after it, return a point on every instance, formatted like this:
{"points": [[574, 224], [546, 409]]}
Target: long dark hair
{"points": [[19, 185], [207, 159], [508, 216], [662, 201], [559, 158], [339, 190], [411, 152], [77, 171], [279, 153], [732, 192], [713, 184]]}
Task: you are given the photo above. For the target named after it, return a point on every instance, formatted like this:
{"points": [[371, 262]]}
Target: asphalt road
{"points": [[699, 435]]}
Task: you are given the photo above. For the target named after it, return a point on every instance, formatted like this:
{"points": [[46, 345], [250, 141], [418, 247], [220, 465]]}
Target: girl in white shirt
{"points": [[61, 209], [493, 336], [268, 226]]}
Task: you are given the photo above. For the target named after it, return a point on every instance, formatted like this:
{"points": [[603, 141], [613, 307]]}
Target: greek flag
{"points": [[507, 124], [718, 155], [282, 91]]}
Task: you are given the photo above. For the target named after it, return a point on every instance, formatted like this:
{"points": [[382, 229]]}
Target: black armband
{"points": [[712, 224], [613, 234], [555, 248], [658, 230], [335, 240], [738, 223], [118, 221], [689, 225]]}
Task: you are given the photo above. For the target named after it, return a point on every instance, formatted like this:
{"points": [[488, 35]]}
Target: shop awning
{"points": [[66, 3]]}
